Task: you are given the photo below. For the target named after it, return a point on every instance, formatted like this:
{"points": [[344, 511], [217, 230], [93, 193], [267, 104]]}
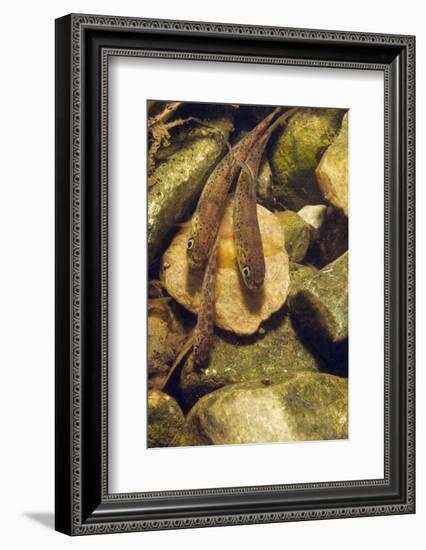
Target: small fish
{"points": [[248, 240], [209, 211], [203, 332]]}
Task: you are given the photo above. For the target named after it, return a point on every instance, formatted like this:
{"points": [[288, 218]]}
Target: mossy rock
{"points": [[299, 275], [320, 307], [332, 172], [269, 356], [178, 183], [295, 153], [307, 406], [165, 419], [297, 234]]}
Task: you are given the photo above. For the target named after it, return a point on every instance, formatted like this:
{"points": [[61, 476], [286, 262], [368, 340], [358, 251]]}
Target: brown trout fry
{"points": [[248, 240], [203, 333], [209, 211]]}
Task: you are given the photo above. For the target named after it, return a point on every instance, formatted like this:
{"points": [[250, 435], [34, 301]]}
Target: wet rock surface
{"points": [[332, 172], [165, 419], [308, 406], [297, 234], [320, 307], [180, 180], [294, 155], [264, 184], [268, 356], [335, 235], [166, 335], [314, 216], [299, 275]]}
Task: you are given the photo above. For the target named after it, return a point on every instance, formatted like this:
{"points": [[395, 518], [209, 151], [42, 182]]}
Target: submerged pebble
{"points": [[165, 419]]}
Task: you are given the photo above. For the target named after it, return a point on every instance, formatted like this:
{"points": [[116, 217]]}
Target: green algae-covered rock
{"points": [[297, 234], [332, 172], [299, 274], [307, 406], [165, 419], [321, 309], [269, 356], [295, 154], [178, 183]]}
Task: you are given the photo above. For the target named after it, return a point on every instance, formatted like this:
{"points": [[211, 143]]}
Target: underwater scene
{"points": [[247, 274]]}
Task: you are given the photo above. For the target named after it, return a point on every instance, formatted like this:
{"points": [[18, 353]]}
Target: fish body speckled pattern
{"points": [[248, 241], [209, 211], [203, 333]]}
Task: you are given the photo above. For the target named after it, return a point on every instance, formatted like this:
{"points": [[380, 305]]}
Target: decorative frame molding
{"points": [[84, 43]]}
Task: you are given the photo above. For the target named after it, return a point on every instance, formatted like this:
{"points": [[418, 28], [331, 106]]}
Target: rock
{"points": [[332, 172], [165, 419], [321, 309], [295, 153], [156, 290], [219, 119], [308, 406], [299, 275], [314, 215], [166, 336], [238, 309], [268, 356], [179, 181], [334, 239], [264, 183], [297, 234]]}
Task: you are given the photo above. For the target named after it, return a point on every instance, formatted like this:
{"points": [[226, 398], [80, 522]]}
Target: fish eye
{"points": [[246, 272], [195, 349], [190, 244]]}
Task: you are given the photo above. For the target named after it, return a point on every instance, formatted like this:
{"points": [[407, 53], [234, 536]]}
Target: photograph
{"points": [[247, 247], [234, 267], [209, 287]]}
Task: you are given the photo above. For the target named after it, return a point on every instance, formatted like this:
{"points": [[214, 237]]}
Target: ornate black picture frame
{"points": [[84, 44]]}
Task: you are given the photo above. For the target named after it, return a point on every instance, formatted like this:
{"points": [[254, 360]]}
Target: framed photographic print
{"points": [[234, 274]]}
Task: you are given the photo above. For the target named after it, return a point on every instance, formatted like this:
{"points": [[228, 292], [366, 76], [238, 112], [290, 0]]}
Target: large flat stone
{"points": [[308, 406]]}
